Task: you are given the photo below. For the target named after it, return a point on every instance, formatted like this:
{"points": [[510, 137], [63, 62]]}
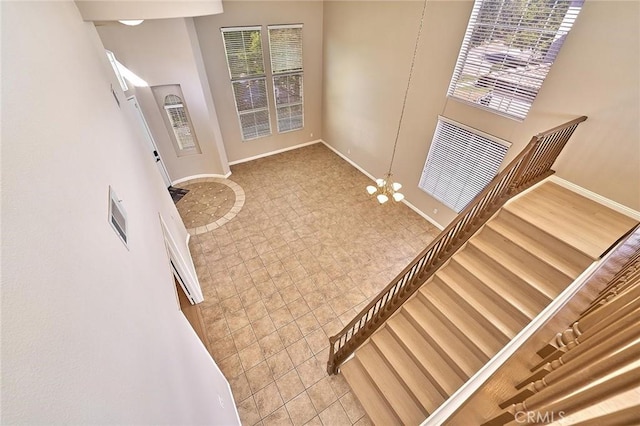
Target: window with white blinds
{"points": [[285, 47], [243, 49], [177, 114], [508, 50], [461, 162]]}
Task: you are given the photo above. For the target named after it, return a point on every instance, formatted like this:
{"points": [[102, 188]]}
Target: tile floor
{"points": [[205, 203], [307, 251]]}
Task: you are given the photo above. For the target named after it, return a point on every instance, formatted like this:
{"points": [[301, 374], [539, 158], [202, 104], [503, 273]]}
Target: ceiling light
{"points": [[132, 22]]}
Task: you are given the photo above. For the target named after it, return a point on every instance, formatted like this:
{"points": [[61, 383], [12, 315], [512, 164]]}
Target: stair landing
{"points": [[493, 287]]}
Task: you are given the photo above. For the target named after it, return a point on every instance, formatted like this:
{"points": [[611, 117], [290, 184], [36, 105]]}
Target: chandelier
{"points": [[385, 188]]}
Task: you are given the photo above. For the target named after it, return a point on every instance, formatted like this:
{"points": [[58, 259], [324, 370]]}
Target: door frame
{"points": [[182, 269], [154, 148]]}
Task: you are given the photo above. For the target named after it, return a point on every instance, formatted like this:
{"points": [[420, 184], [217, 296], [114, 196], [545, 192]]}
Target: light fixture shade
{"points": [[371, 189], [397, 186], [132, 22], [380, 182], [398, 196], [382, 198]]}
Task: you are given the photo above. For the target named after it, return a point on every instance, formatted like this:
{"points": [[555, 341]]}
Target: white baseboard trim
{"points": [[277, 151], [370, 176], [424, 216], [348, 160], [205, 175], [613, 205]]}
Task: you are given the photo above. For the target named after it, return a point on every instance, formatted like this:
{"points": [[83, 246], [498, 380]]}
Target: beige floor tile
{"points": [[335, 416], [311, 371], [268, 400], [352, 406], [263, 327], [244, 337], [322, 395], [280, 364], [251, 356], [290, 385], [259, 376], [256, 311], [271, 344], [240, 387], [281, 317], [301, 409], [314, 422], [248, 412], [280, 417], [299, 352]]}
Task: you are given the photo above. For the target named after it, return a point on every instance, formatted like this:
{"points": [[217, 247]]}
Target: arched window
{"points": [[179, 120]]}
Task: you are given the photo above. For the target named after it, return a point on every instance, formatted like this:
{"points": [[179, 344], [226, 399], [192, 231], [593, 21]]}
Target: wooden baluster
{"points": [[568, 400], [580, 358]]}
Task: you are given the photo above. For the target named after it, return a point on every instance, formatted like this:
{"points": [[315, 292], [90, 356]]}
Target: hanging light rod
{"points": [[385, 187]]}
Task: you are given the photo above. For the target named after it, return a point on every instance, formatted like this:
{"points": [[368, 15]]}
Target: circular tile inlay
{"points": [[209, 204]]}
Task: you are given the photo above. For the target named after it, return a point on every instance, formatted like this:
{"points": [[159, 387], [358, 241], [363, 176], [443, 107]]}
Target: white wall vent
{"points": [[117, 216]]}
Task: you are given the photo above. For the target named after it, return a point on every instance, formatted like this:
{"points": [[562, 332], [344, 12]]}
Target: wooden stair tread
{"points": [[544, 279], [437, 369], [497, 285], [546, 247], [407, 370], [392, 389], [481, 307], [373, 402], [452, 350], [476, 335], [566, 215]]}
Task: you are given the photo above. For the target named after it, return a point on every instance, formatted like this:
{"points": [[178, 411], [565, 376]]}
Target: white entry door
{"points": [[151, 144]]}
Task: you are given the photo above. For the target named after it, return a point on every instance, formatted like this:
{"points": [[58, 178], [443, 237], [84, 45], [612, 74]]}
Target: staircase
{"points": [[491, 288]]}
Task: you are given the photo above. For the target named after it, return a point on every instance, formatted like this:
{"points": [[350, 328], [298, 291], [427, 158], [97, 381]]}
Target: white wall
{"points": [[367, 52], [251, 13], [167, 51], [91, 332]]}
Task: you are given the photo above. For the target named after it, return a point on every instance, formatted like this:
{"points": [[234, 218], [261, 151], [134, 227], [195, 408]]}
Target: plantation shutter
{"points": [[508, 50], [461, 162], [285, 46], [243, 49]]}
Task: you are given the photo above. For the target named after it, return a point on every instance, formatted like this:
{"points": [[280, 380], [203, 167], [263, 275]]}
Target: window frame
{"points": [[519, 81], [235, 80], [277, 74], [160, 93]]}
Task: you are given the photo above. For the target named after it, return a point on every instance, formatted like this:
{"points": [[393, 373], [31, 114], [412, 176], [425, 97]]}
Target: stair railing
{"points": [[531, 166]]}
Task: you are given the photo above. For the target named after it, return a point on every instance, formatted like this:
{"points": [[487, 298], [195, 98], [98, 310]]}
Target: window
{"points": [[243, 49], [179, 122], [508, 50], [176, 118], [116, 69], [285, 46], [461, 162]]}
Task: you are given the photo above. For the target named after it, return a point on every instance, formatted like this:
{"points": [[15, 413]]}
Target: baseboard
{"points": [[205, 175], [277, 151], [370, 176], [424, 216], [613, 205]]}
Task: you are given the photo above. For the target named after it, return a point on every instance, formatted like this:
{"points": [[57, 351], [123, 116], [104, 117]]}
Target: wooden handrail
{"points": [[529, 167]]}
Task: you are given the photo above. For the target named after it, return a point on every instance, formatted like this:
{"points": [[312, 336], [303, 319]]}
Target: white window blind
{"points": [[179, 121], [461, 162], [243, 49], [285, 46], [508, 50]]}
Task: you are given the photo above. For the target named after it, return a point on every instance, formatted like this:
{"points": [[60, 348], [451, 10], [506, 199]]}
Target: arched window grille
{"points": [[177, 113]]}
